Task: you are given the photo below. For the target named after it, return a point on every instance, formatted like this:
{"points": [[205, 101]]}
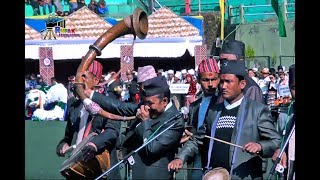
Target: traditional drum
{"points": [[74, 168]]}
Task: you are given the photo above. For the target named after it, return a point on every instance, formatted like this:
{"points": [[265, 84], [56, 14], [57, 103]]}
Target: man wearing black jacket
{"points": [[152, 114], [80, 123]]}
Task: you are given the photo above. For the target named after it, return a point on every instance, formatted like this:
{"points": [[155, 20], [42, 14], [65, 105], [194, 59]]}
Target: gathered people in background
{"points": [[131, 87], [26, 83], [40, 83], [283, 89], [71, 80], [81, 3], [93, 6], [35, 6], [102, 8], [58, 6], [177, 77], [170, 78], [191, 95], [183, 75], [53, 81], [285, 124], [45, 4], [177, 98], [272, 86], [264, 81], [33, 81], [253, 75], [114, 86], [283, 78], [73, 5]]}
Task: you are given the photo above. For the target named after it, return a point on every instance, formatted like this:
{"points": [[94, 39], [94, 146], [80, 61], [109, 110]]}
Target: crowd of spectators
{"points": [[44, 7]]}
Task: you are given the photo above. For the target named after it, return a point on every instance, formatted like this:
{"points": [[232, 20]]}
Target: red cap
{"points": [[208, 65], [96, 69]]}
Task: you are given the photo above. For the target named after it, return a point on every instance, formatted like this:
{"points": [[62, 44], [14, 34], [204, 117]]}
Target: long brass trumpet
{"points": [[136, 24]]}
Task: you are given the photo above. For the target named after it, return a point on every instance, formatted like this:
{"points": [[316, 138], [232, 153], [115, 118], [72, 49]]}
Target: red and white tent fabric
{"points": [[168, 36]]}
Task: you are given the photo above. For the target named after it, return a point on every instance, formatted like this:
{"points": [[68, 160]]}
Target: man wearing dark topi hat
{"points": [[152, 113], [288, 156], [80, 123], [240, 121], [235, 50], [208, 78]]}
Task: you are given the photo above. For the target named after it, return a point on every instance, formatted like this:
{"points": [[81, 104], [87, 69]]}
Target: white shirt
{"points": [[84, 114], [233, 105]]}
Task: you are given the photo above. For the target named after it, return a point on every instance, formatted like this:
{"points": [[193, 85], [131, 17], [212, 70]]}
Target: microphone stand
{"points": [[280, 154], [143, 145]]}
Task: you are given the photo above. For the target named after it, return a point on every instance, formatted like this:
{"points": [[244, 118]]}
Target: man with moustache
{"points": [[152, 114], [238, 120], [208, 78]]}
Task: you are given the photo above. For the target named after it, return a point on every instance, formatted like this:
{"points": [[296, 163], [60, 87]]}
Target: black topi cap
{"points": [[154, 86], [233, 67], [233, 47]]}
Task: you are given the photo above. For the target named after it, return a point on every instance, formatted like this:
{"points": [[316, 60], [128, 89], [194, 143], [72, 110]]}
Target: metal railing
{"points": [[245, 13], [260, 62], [196, 8]]}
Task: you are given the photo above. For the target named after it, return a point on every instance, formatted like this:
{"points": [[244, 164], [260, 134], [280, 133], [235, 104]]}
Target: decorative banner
{"points": [[200, 53], [126, 61], [179, 88], [46, 64]]}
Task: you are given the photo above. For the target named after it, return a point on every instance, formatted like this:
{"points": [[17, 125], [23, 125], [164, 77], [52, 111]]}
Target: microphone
{"points": [[184, 110]]}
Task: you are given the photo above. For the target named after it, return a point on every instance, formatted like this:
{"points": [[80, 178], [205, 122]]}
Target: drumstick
{"points": [[223, 141]]}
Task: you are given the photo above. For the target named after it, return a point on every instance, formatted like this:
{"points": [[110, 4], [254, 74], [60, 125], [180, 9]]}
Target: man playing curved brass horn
{"points": [[152, 113], [80, 123]]}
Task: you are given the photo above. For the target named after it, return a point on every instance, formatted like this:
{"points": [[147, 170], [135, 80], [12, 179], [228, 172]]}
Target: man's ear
{"points": [[165, 99], [96, 81], [243, 84], [83, 76]]}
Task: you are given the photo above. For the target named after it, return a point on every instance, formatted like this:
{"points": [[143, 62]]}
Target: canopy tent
{"points": [[151, 47], [168, 36]]}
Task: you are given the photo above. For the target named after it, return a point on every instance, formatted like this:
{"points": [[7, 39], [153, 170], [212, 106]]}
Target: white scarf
{"points": [[84, 114]]}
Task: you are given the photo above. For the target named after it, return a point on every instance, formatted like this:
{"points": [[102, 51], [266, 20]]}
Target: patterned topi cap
{"points": [[145, 73], [96, 69], [208, 65]]}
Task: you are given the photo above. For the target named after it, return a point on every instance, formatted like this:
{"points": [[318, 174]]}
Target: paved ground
{"points": [[41, 161]]}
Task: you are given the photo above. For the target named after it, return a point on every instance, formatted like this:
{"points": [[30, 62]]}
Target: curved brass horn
{"points": [[136, 24]]}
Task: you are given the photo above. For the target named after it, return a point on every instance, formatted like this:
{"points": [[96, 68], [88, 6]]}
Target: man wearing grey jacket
{"points": [[238, 120]]}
